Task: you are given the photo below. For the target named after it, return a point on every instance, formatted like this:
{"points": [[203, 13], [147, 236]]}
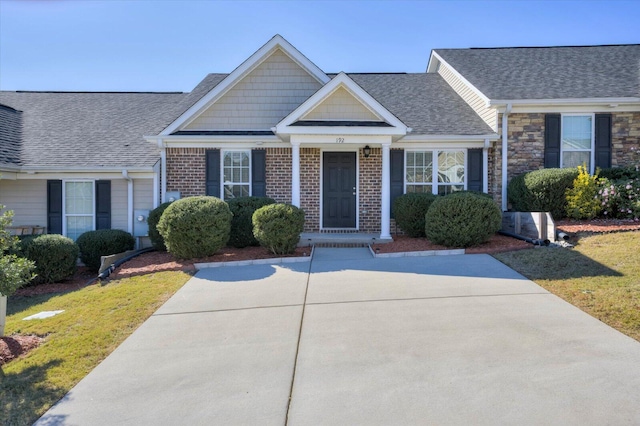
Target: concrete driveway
{"points": [[349, 339]]}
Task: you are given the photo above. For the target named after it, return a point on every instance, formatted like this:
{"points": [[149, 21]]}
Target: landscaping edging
{"points": [[423, 253], [269, 261]]}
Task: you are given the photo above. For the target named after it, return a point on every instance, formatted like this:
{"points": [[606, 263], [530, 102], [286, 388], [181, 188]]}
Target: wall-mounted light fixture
{"points": [[141, 218], [367, 151]]}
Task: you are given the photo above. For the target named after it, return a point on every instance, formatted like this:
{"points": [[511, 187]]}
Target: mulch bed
{"points": [[497, 244], [13, 346], [597, 225]]}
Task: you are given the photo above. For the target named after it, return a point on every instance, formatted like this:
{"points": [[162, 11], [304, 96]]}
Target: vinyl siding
{"points": [[261, 99], [119, 204], [489, 115], [341, 105], [143, 194], [27, 199]]}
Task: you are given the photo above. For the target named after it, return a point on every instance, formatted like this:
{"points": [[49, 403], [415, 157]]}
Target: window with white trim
{"points": [[79, 207], [438, 171], [236, 174], [576, 146]]}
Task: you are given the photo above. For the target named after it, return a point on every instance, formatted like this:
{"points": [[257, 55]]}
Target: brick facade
{"points": [[279, 174], [310, 187], [370, 188], [186, 171]]}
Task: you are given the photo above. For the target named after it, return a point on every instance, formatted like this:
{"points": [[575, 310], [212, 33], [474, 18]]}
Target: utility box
{"points": [[536, 225], [140, 224], [172, 196]]}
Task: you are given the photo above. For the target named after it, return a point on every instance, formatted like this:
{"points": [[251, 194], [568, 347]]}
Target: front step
{"points": [[346, 240]]}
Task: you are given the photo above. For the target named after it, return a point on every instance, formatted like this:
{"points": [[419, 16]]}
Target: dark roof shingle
{"points": [[10, 135]]}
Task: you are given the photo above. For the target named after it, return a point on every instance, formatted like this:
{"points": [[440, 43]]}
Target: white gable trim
{"points": [[277, 42], [368, 101], [457, 74]]}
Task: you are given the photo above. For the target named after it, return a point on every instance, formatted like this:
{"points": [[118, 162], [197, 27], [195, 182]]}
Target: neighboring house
{"points": [[341, 146]]}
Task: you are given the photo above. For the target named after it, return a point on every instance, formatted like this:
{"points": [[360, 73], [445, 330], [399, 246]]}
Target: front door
{"points": [[339, 190]]}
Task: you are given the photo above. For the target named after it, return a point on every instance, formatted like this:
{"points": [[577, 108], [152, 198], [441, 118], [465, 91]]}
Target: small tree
{"points": [[14, 271]]}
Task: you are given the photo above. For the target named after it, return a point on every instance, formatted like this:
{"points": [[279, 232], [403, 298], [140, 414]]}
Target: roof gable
{"points": [[277, 54], [341, 105]]}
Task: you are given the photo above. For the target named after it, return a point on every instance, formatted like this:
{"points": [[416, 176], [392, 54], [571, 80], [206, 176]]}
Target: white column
{"points": [[385, 214], [163, 171], [485, 167], [295, 173]]}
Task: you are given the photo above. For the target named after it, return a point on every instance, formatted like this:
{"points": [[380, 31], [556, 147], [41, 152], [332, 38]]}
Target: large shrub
{"points": [[278, 227], [620, 173], [103, 242], [582, 198], [154, 235], [195, 226], [542, 190], [462, 220], [241, 223], [620, 199], [15, 271], [409, 211], [55, 257]]}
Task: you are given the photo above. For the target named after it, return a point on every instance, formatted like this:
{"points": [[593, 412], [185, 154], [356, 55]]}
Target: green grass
{"points": [[96, 320], [601, 276]]}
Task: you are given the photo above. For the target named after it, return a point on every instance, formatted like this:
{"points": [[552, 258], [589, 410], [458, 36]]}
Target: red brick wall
{"points": [[370, 186], [279, 174], [186, 171], [310, 187]]}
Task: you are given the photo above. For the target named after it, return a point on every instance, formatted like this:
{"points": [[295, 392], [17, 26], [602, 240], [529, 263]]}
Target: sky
{"points": [[144, 45]]}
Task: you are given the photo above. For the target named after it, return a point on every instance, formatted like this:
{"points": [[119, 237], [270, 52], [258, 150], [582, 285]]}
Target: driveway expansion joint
{"points": [[248, 308]]}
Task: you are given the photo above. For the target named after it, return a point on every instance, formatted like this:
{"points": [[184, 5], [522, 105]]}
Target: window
{"points": [[236, 168], [444, 175], [577, 141], [78, 208]]}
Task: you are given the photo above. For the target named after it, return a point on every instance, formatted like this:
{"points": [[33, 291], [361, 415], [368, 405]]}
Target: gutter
{"points": [[505, 119], [129, 180]]}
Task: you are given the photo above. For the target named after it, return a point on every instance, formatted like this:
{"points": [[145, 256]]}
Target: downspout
{"points": [[163, 170], [505, 119], [129, 180]]}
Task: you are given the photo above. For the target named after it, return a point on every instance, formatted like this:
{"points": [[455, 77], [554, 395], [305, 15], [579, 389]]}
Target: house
{"points": [[341, 146]]}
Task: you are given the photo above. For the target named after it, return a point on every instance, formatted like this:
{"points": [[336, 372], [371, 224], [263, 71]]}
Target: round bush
{"points": [[409, 211], [154, 217], [278, 227], [241, 223], [542, 191], [195, 226], [462, 220], [103, 242], [55, 257]]}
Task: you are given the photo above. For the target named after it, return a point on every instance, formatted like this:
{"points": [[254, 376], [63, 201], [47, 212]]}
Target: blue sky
{"points": [[171, 45]]}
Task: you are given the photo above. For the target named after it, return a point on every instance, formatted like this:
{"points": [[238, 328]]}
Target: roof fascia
{"points": [[564, 101], [455, 72], [341, 80], [429, 138], [431, 65], [246, 67]]}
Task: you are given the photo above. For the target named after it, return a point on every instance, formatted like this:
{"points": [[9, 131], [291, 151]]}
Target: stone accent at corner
{"points": [[526, 143], [625, 135]]}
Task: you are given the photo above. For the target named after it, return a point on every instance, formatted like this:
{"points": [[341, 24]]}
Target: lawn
{"points": [[96, 320], [601, 276]]}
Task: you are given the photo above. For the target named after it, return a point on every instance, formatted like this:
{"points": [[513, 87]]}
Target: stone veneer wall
{"points": [[370, 184], [625, 135], [310, 187], [279, 174], [186, 171]]}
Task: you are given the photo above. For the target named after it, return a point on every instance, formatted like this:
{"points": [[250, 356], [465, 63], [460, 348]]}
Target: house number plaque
{"points": [[339, 140]]}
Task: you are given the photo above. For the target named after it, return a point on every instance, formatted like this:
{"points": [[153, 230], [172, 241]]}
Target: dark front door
{"points": [[339, 190]]}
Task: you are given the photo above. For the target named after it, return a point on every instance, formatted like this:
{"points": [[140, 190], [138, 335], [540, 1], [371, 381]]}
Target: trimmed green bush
{"points": [[195, 226], [542, 190], [278, 227], [103, 242], [241, 223], [154, 217], [462, 220], [582, 199], [55, 257], [619, 173], [409, 211]]}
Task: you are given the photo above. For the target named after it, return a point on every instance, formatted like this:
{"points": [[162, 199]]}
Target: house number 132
{"points": [[339, 140]]}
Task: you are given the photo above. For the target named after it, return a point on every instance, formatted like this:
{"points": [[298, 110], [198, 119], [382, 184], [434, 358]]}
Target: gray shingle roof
{"points": [[10, 134], [550, 72], [424, 102], [91, 130]]}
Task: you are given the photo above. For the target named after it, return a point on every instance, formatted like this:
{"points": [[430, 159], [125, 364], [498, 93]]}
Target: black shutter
{"points": [[258, 172], [603, 141], [552, 141], [397, 175], [54, 206], [474, 170], [213, 172], [103, 204]]}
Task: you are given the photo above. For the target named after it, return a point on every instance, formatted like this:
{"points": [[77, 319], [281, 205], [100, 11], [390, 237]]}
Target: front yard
{"points": [[601, 276], [96, 319]]}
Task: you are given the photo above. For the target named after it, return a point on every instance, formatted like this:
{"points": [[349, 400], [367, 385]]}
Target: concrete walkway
{"points": [[349, 339]]}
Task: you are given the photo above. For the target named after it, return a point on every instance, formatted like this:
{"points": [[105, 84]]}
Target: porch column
{"points": [[385, 214], [295, 173], [485, 167]]}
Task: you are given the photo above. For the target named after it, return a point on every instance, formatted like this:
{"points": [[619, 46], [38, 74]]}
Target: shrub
{"points": [[103, 242], [154, 217], [278, 227], [15, 271], [582, 198], [462, 220], [542, 190], [195, 226], [620, 199], [241, 223], [409, 210], [620, 173], [55, 257]]}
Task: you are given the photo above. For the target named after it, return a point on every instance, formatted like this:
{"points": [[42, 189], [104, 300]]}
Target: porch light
{"points": [[367, 151], [141, 218]]}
